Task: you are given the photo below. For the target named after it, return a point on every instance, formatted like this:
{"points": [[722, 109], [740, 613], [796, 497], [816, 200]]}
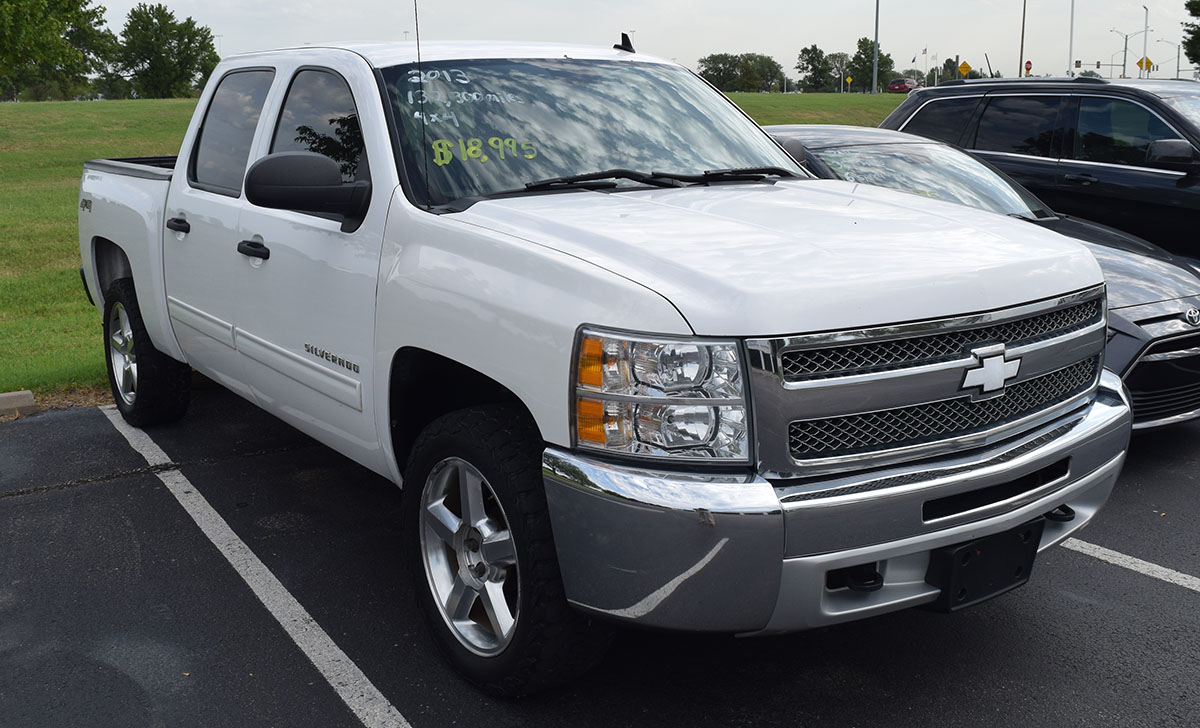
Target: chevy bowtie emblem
{"points": [[991, 370], [1193, 316]]}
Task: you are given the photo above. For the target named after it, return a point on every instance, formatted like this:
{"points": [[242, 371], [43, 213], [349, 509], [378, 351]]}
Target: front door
{"points": [[1104, 175], [306, 331]]}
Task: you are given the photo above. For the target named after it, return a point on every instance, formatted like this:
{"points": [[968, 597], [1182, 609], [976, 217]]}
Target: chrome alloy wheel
{"points": [[121, 354], [469, 555]]}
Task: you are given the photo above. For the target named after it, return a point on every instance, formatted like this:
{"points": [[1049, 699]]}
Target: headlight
{"points": [[660, 398]]}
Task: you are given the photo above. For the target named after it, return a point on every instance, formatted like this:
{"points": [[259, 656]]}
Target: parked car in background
{"points": [[1153, 296], [1123, 153], [902, 85]]}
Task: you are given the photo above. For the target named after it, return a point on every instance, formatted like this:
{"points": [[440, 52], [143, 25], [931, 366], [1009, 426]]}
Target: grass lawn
{"points": [[52, 340], [856, 109]]}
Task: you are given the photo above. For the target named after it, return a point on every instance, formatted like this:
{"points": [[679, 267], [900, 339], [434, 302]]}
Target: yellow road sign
{"points": [[1145, 63], [964, 68], [849, 79]]}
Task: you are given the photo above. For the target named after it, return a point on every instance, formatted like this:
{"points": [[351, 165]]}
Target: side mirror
{"points": [[792, 146], [307, 182], [1173, 154]]}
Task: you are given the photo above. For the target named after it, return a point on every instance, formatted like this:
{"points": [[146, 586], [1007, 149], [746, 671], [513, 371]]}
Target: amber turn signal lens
{"points": [[591, 363], [589, 420]]}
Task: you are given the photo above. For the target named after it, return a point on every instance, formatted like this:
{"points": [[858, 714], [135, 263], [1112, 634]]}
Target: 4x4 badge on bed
{"points": [[993, 371], [1193, 316]]}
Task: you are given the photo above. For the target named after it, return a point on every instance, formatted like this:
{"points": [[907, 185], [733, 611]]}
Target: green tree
{"points": [[758, 72], [1191, 32], [48, 47], [817, 69], [1089, 73], [862, 63], [720, 69], [162, 56], [838, 63]]}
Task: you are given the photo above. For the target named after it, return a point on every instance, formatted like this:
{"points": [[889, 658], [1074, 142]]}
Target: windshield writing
{"points": [[479, 127]]}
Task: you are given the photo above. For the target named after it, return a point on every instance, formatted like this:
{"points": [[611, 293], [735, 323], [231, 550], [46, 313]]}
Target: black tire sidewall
{"points": [[164, 384], [447, 439]]}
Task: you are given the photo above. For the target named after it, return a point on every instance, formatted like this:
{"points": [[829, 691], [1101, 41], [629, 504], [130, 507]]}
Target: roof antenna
{"points": [[424, 119], [624, 45]]}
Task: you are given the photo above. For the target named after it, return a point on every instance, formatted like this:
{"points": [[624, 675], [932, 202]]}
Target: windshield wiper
{"points": [[739, 174], [600, 180]]}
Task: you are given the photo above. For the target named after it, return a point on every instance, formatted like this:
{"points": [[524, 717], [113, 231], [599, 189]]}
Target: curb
{"points": [[17, 403]]}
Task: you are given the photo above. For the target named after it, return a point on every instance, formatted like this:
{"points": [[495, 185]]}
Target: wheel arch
{"points": [[424, 385], [110, 263]]}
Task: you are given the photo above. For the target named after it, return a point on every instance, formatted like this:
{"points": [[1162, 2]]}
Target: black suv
{"points": [[1119, 152]]}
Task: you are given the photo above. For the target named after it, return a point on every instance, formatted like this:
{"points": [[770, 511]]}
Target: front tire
{"points": [[482, 559], [149, 387]]}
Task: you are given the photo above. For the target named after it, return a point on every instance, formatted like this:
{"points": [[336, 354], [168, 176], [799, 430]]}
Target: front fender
{"points": [[504, 306]]}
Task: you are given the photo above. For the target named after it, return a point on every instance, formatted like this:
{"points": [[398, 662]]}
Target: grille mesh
{"points": [[922, 423], [885, 355], [925, 475]]}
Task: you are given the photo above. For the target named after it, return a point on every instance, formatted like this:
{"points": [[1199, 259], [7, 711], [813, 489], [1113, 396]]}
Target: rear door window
{"points": [[319, 116], [943, 119], [1117, 131], [219, 161], [1019, 125]]}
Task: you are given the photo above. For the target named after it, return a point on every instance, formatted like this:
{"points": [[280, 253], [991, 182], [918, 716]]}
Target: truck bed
{"points": [[147, 167]]}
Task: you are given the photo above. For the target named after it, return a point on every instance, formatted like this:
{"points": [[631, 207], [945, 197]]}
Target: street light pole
{"points": [[875, 67], [1145, 40], [1160, 40], [1071, 43], [1127, 36], [1021, 55]]}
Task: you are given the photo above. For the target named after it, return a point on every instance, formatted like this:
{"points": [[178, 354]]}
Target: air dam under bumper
{"points": [[736, 553]]}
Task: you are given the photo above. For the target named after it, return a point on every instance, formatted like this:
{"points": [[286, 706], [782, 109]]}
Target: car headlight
{"points": [[660, 397]]}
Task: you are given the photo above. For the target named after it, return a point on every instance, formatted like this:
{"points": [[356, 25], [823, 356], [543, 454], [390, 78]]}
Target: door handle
{"points": [[254, 249], [179, 225], [1086, 179]]}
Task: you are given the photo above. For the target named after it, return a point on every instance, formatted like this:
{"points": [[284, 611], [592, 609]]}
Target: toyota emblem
{"points": [[1193, 316]]}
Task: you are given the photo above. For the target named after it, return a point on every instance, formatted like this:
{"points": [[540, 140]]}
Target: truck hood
{"points": [[1137, 272], [799, 256]]}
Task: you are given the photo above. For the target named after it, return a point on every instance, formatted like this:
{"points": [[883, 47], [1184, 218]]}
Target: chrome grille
{"points": [[876, 356], [918, 424]]}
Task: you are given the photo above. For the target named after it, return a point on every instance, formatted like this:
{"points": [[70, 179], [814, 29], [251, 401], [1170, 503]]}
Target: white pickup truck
{"points": [[629, 361]]}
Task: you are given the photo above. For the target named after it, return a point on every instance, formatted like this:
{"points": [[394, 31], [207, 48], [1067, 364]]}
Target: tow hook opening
{"points": [[1062, 514], [859, 578]]}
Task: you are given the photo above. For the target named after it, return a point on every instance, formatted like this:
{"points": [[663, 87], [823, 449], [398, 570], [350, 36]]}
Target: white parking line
{"points": [[1134, 564], [348, 681]]}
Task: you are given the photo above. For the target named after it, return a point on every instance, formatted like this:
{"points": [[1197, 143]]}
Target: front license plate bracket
{"points": [[975, 571]]}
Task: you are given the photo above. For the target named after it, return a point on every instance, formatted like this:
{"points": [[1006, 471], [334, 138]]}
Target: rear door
{"points": [[1021, 134], [306, 333], [203, 209], [1104, 175]]}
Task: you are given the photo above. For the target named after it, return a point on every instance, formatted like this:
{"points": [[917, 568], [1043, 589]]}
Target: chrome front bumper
{"points": [[738, 553]]}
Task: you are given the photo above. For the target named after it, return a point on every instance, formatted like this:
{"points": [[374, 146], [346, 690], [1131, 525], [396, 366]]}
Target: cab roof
{"points": [[384, 54]]}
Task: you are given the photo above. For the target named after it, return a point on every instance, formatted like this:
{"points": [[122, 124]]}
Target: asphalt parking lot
{"points": [[119, 608]]}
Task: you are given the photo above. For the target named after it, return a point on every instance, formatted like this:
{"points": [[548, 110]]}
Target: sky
{"points": [[977, 31]]}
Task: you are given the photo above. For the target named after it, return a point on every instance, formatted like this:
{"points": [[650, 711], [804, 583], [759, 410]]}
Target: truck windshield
{"points": [[480, 127]]}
